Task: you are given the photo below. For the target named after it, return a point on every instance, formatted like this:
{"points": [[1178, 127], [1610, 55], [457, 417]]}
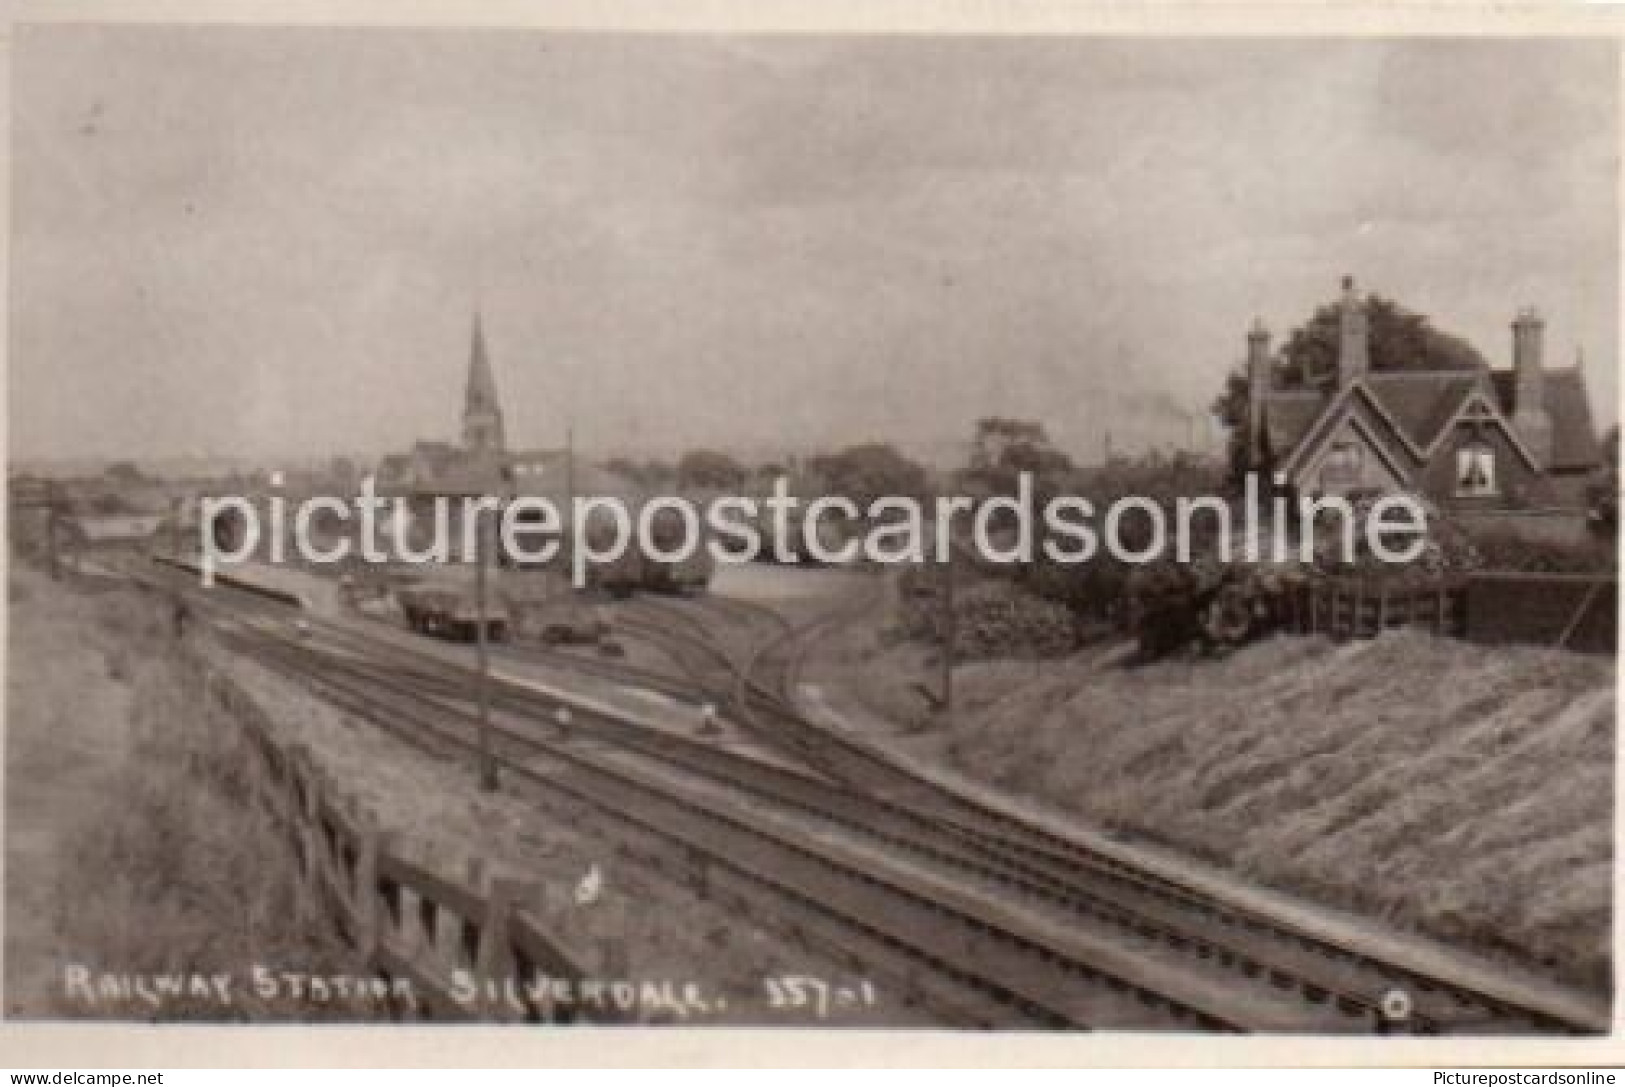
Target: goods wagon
{"points": [[452, 611], [634, 570]]}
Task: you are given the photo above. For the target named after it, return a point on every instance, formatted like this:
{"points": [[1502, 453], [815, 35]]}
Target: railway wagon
{"points": [[688, 575], [635, 570], [452, 611]]}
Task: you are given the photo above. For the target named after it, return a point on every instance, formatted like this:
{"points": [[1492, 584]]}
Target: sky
{"points": [[266, 242]]}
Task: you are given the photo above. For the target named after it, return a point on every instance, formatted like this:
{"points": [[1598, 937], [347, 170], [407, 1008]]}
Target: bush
{"points": [[1097, 588], [992, 619], [1447, 547], [1508, 550]]}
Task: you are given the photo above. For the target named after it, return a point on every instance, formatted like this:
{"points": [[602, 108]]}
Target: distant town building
{"points": [[111, 531], [478, 465], [482, 414], [483, 463]]}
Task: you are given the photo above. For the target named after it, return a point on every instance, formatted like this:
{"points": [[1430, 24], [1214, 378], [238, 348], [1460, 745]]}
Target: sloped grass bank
{"points": [[141, 874], [1457, 790]]}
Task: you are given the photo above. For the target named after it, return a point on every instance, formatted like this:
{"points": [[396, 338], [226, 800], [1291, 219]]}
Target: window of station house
{"points": [[1341, 468], [1475, 470]]}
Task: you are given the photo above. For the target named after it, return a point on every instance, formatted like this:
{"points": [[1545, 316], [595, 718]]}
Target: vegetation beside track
{"points": [[129, 851], [1459, 791]]}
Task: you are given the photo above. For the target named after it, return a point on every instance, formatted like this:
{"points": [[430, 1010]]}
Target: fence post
{"points": [[309, 818], [469, 936], [428, 925], [1382, 606], [493, 961], [364, 892]]}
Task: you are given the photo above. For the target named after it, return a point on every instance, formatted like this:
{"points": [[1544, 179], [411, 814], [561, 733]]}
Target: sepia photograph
{"points": [[832, 531]]}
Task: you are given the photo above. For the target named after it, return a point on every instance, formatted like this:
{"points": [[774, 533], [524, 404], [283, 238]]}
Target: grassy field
{"points": [[129, 850], [1461, 791]]}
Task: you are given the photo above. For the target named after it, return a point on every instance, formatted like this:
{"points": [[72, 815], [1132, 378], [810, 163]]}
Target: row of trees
{"points": [[860, 472], [1000, 451]]}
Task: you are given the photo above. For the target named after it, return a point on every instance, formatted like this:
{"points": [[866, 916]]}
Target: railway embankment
{"points": [[623, 918], [137, 883], [149, 877], [1459, 792]]}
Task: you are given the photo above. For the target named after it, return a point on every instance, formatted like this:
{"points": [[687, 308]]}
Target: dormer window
{"points": [[1475, 471]]}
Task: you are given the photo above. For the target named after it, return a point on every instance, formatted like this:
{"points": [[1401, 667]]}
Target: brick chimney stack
{"points": [[1259, 380], [1353, 345], [1529, 415]]}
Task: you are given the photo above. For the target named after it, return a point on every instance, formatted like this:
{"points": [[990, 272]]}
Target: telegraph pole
{"points": [[52, 500], [570, 464], [495, 483], [950, 635], [482, 619]]}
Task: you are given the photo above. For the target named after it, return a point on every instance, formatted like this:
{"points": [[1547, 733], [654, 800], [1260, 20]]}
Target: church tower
{"points": [[482, 415]]}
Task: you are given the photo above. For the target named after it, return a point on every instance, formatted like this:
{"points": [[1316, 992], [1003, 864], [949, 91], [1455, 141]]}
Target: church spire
{"points": [[482, 415]]}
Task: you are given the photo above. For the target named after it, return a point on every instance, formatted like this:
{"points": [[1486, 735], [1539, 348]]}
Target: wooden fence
{"points": [[1566, 611], [444, 938], [1570, 611], [1348, 607]]}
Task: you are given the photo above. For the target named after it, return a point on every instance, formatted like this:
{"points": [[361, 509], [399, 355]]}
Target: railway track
{"points": [[614, 671], [864, 795], [732, 677], [1021, 976], [1021, 980], [1087, 882]]}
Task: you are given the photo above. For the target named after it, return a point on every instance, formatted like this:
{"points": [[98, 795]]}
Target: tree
{"points": [[1231, 410], [1095, 588], [1398, 339], [711, 469], [1602, 495], [124, 473], [863, 473], [656, 473], [1005, 448], [342, 474]]}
